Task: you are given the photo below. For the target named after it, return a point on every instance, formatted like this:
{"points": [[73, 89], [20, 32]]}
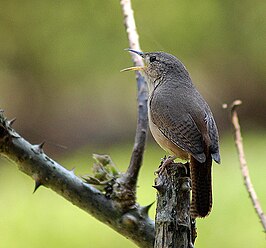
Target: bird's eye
{"points": [[152, 58]]}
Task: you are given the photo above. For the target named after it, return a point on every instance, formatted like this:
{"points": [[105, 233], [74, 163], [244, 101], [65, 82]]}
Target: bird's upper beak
{"points": [[141, 54], [134, 68]]}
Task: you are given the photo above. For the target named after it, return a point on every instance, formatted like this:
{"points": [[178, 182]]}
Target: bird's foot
{"points": [[165, 162]]}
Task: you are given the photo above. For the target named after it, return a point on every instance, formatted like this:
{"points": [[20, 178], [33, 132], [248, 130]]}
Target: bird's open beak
{"points": [[134, 68]]}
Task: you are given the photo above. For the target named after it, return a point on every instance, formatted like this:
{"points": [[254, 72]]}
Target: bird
{"points": [[181, 122]]}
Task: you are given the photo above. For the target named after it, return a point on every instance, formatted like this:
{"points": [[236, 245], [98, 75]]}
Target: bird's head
{"points": [[158, 66]]}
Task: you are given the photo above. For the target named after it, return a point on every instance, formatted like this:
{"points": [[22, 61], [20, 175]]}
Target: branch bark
{"points": [[173, 224], [244, 166], [31, 159], [129, 179]]}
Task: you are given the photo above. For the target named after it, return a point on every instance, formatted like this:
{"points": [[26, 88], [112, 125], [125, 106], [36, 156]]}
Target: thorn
{"points": [[11, 121], [37, 185], [72, 171], [39, 147], [145, 210]]}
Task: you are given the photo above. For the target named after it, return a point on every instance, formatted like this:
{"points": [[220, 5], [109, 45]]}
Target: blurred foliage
{"points": [[60, 63], [47, 220]]}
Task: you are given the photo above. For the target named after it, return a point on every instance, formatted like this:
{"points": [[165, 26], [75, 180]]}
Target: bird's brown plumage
{"points": [[182, 123]]}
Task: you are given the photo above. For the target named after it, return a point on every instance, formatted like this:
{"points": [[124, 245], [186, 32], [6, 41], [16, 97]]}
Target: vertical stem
{"points": [[244, 166], [130, 177]]}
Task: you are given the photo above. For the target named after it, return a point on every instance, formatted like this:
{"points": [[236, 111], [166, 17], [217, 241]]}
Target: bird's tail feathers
{"points": [[201, 176]]}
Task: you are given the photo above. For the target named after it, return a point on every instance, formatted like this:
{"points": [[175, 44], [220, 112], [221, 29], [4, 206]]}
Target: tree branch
{"points": [[244, 166], [129, 179], [133, 224]]}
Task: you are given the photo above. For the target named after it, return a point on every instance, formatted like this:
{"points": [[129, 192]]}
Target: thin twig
{"points": [[131, 175], [31, 160], [244, 166], [131, 29]]}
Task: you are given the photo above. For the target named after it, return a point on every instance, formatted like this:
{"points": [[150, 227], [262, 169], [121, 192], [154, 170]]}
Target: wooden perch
{"points": [[244, 166], [173, 226]]}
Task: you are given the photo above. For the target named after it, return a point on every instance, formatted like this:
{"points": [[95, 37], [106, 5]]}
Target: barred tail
{"points": [[201, 187]]}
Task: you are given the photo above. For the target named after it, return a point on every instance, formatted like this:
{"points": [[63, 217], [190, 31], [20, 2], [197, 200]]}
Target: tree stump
{"points": [[173, 224]]}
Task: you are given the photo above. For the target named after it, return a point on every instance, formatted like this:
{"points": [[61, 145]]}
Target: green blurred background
{"points": [[59, 75]]}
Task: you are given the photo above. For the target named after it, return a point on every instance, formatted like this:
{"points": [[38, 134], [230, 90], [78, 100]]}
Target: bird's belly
{"points": [[165, 143]]}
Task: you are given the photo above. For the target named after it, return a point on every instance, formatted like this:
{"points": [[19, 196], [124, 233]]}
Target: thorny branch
{"points": [[31, 159], [244, 166]]}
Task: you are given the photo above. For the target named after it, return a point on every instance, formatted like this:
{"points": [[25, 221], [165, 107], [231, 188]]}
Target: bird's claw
{"points": [[165, 162]]}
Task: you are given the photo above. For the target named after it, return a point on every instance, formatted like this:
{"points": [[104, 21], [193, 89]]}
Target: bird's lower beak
{"points": [[133, 68]]}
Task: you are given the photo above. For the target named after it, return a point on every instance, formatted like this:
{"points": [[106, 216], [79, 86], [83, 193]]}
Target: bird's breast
{"points": [[164, 142]]}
